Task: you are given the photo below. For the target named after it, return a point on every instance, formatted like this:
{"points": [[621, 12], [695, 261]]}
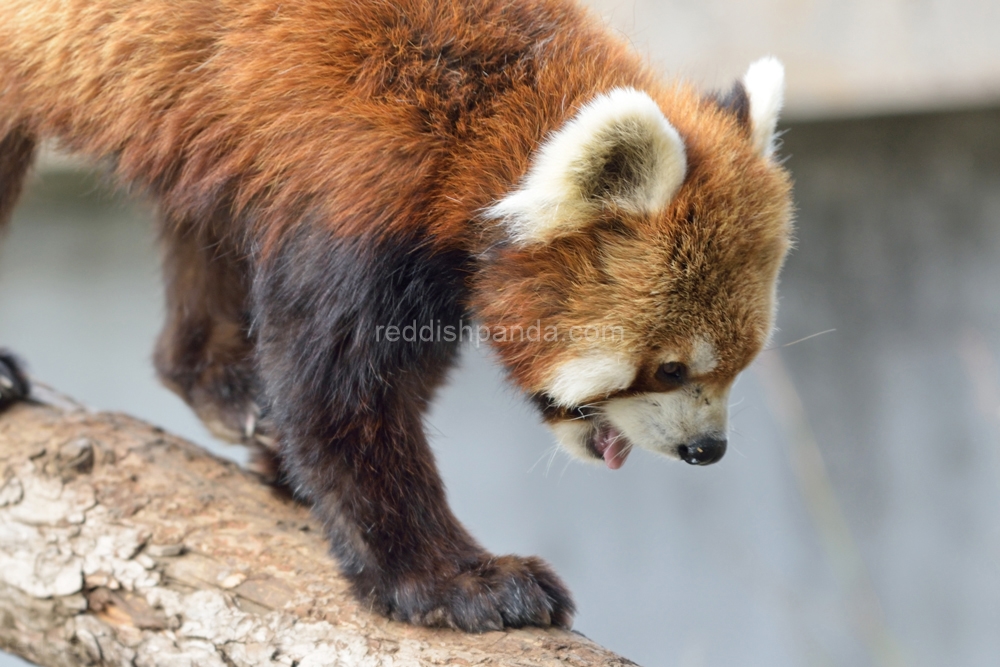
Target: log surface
{"points": [[123, 545]]}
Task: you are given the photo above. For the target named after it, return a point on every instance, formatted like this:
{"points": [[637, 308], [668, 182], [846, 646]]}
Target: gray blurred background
{"points": [[856, 519]]}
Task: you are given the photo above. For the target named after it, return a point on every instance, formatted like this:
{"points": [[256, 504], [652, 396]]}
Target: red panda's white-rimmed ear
{"points": [[619, 150], [765, 86]]}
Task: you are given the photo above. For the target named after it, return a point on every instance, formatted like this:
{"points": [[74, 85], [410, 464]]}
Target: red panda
{"points": [[329, 172]]}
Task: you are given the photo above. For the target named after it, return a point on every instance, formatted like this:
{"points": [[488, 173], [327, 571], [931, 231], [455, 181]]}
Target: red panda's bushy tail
{"points": [[17, 152]]}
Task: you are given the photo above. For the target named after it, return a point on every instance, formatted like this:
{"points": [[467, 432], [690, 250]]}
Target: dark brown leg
{"points": [[205, 351], [349, 406], [17, 153]]}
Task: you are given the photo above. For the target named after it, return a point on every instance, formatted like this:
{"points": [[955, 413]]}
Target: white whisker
{"points": [[565, 468], [552, 459], [597, 410], [733, 418], [625, 450], [746, 437], [796, 342], [550, 451]]}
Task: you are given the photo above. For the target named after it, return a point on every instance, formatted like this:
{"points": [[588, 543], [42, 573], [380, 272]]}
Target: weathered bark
{"points": [[123, 545]]}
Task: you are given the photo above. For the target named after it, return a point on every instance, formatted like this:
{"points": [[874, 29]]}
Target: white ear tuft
{"points": [[765, 86], [619, 150]]}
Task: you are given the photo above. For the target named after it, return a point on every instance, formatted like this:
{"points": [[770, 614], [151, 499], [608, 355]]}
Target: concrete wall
{"points": [[899, 250], [844, 57]]}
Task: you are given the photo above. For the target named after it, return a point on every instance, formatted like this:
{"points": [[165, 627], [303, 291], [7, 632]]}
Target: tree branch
{"points": [[123, 545]]}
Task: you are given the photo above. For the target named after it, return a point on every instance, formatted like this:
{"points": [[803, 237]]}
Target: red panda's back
{"points": [[353, 107]]}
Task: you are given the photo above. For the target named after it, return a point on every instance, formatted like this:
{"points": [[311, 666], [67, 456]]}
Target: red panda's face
{"points": [[640, 278]]}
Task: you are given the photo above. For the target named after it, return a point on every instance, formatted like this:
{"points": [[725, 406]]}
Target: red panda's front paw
{"points": [[499, 592]]}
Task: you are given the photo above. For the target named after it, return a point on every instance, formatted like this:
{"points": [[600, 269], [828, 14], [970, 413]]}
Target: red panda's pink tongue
{"points": [[610, 444]]}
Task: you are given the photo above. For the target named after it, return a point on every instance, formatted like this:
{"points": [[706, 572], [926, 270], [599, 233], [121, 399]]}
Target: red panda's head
{"points": [[638, 280]]}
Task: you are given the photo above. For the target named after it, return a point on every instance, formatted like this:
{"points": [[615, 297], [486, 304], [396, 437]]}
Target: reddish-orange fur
{"points": [[258, 102], [268, 129]]}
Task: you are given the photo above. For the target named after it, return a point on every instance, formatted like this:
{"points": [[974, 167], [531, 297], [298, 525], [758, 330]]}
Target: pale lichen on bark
{"points": [[122, 545]]}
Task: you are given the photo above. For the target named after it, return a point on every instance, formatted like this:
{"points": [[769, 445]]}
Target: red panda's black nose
{"points": [[703, 452]]}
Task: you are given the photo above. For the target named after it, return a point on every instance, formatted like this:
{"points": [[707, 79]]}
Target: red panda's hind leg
{"points": [[17, 153], [205, 352], [348, 399]]}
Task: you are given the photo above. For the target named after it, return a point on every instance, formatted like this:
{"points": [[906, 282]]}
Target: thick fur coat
{"points": [[328, 172]]}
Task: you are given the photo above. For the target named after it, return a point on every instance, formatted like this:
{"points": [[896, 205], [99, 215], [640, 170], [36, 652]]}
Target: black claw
{"points": [[561, 604], [14, 384]]}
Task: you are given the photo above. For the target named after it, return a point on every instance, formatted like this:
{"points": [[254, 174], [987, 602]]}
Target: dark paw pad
{"points": [[13, 382]]}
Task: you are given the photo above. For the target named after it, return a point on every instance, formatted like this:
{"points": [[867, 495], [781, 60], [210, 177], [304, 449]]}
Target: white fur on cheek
{"points": [[765, 86], [572, 436], [589, 376], [554, 197]]}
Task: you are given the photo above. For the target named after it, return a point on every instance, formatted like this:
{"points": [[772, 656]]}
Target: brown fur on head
{"points": [[638, 275]]}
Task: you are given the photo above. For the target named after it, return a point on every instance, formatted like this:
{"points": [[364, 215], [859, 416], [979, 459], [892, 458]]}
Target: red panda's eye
{"points": [[672, 373]]}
